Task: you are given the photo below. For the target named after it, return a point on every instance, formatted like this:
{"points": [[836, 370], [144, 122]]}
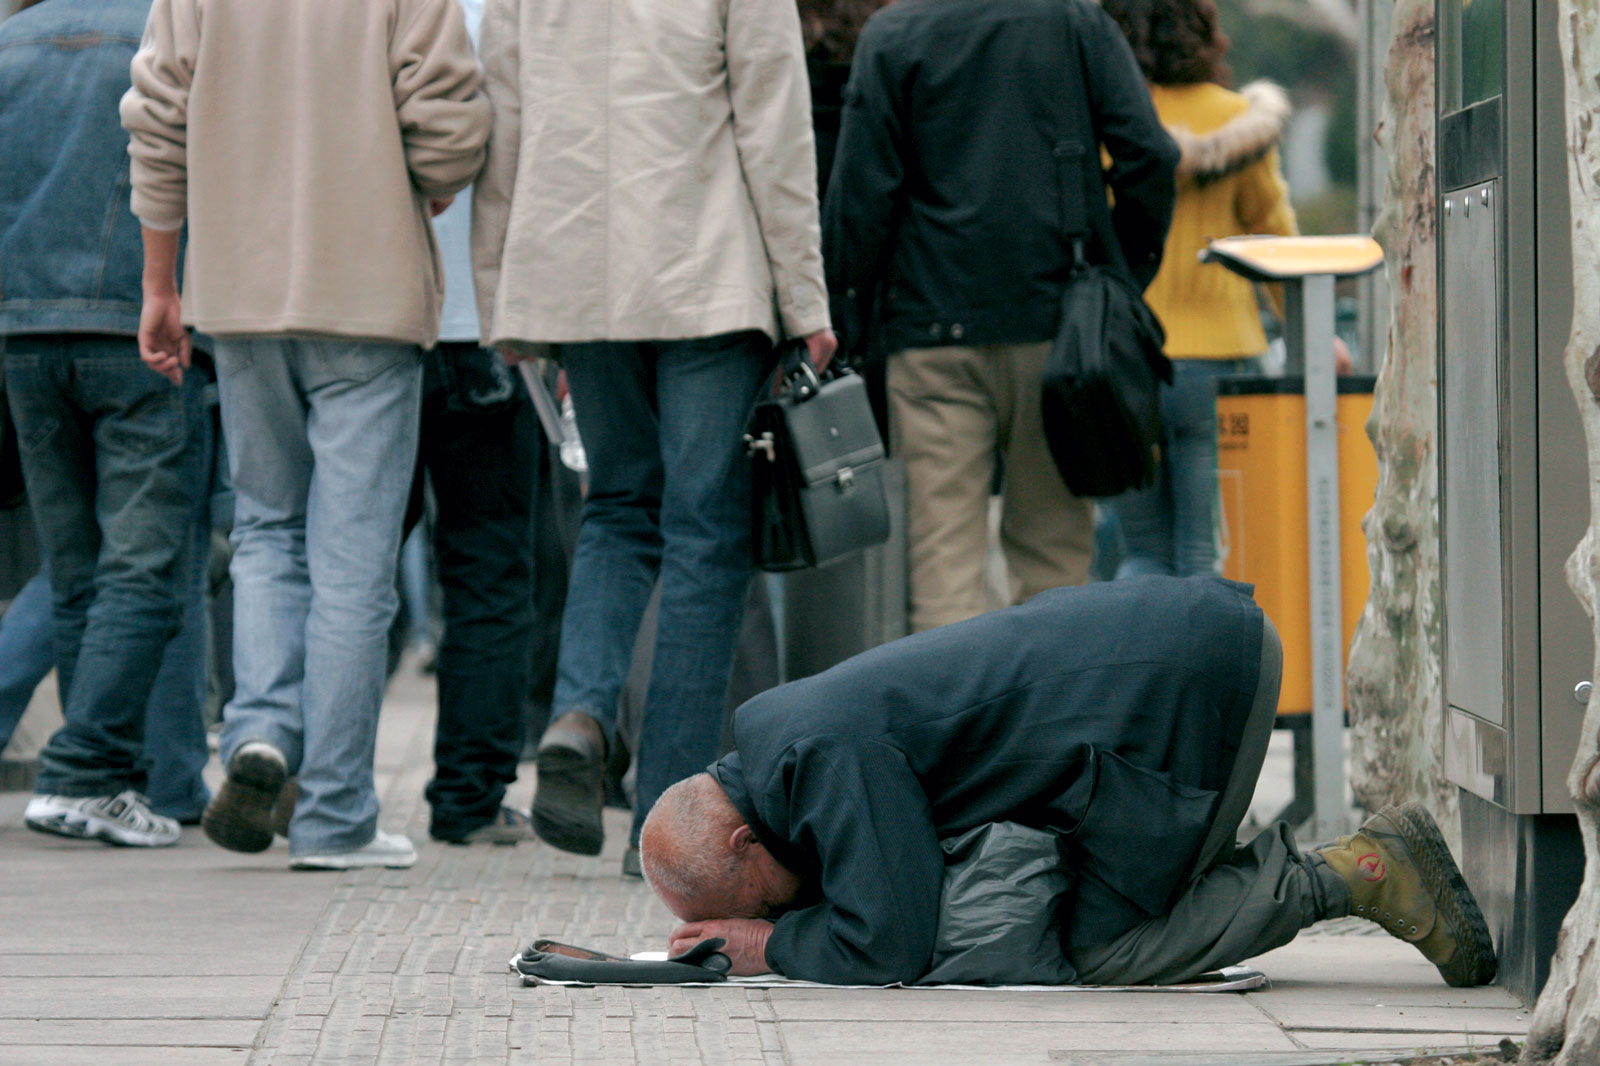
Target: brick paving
{"points": [[196, 955]]}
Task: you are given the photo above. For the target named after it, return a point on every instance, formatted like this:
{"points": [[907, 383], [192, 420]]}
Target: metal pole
{"points": [[1309, 302]]}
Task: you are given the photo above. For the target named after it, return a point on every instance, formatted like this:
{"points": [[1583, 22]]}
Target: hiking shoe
{"points": [[571, 791], [508, 827], [1401, 876], [239, 816], [393, 850], [124, 819]]}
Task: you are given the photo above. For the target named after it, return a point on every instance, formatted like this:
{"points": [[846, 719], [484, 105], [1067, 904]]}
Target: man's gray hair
{"points": [[695, 816]]}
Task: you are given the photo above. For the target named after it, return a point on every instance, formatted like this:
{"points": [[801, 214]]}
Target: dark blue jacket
{"points": [[1110, 714], [70, 251], [969, 149]]}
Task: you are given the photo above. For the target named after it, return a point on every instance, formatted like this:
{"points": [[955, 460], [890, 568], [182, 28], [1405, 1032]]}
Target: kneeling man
{"points": [[1128, 718]]}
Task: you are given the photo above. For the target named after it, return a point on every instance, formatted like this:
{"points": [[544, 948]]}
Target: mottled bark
{"points": [[1566, 1022], [1395, 689]]}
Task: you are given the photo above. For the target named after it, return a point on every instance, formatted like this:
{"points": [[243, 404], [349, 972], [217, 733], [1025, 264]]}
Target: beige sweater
{"points": [[303, 139], [651, 172]]}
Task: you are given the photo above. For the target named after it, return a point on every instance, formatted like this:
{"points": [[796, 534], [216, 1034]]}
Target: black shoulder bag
{"points": [[816, 467], [1101, 389]]}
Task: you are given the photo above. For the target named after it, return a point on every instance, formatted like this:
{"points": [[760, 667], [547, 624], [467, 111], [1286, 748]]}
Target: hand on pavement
{"points": [[163, 342], [746, 937]]}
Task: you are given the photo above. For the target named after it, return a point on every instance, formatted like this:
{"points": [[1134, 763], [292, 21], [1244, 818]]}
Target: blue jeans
{"points": [[114, 456], [479, 448], [322, 440], [1170, 527], [669, 494], [174, 734]]}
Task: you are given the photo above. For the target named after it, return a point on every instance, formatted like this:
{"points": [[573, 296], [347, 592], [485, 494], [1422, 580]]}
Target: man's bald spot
{"points": [[685, 848]]}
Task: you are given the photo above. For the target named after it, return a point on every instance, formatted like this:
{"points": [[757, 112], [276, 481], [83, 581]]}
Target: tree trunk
{"points": [[1394, 681], [1566, 1022]]}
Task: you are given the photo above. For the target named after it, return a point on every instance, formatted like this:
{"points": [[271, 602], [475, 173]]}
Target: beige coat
{"points": [[303, 139], [651, 172]]}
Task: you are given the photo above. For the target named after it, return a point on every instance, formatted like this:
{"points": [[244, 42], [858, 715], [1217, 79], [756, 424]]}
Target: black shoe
{"points": [[571, 792], [239, 817], [632, 868], [508, 827]]}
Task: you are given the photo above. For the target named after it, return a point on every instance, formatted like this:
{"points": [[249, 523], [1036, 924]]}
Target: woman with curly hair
{"points": [[1229, 182]]}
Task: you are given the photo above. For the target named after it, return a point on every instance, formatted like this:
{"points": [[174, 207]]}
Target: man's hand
{"points": [[746, 937], [822, 344], [163, 342], [439, 207]]}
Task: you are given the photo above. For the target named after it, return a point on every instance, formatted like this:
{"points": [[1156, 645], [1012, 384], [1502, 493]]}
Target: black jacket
{"points": [[1109, 713], [970, 146]]}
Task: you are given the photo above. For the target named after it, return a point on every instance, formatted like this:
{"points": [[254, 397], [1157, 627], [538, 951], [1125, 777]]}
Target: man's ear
{"points": [[742, 839]]}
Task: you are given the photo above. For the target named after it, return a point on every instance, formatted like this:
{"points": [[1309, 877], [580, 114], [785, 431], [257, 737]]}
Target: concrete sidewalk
{"points": [[195, 955]]}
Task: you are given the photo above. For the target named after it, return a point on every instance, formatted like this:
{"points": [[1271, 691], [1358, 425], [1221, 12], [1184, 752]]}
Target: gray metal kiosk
{"points": [[1512, 492]]}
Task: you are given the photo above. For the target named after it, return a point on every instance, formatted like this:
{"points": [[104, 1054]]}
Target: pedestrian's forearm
{"points": [[160, 261]]}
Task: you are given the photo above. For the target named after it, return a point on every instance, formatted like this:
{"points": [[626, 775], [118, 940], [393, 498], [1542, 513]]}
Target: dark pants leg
{"points": [[477, 446], [669, 493], [113, 456], [1240, 901]]}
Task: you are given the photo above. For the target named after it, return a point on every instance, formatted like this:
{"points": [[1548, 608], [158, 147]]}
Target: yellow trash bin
{"points": [[1261, 472]]}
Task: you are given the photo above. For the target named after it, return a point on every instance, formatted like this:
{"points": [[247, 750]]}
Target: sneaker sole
{"points": [[240, 817], [1474, 962], [566, 806], [80, 828], [335, 863]]}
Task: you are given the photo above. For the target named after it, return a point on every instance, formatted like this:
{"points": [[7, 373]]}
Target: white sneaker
{"points": [[393, 850], [124, 819]]}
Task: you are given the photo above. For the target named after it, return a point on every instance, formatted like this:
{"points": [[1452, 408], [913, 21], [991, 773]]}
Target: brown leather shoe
{"points": [[571, 792]]}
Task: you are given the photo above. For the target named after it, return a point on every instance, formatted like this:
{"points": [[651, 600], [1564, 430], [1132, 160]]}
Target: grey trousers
{"points": [[1240, 901]]}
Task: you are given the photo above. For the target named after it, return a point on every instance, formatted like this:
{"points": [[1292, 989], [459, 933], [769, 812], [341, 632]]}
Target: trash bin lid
{"points": [[1286, 258]]}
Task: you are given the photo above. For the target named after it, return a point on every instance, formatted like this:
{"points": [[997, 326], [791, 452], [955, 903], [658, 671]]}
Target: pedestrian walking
{"points": [[311, 260], [1229, 183], [479, 450], [648, 216], [961, 171], [115, 457]]}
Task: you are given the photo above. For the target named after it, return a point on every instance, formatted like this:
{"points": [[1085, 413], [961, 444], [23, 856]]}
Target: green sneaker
{"points": [[1401, 876]]}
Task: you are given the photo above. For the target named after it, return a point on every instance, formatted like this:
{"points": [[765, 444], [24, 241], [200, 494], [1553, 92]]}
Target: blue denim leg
{"points": [[1169, 528], [113, 457], [175, 731], [322, 441], [27, 651], [663, 425]]}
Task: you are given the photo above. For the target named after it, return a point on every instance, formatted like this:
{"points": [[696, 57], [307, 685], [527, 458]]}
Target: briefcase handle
{"points": [[798, 374]]}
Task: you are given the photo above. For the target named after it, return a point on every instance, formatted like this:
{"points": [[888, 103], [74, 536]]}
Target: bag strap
{"points": [[1079, 174]]}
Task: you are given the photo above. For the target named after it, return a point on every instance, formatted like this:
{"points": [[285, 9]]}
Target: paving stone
{"points": [[211, 1033]]}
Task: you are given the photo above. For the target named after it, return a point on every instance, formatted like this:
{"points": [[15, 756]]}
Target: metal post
{"points": [[1309, 303]]}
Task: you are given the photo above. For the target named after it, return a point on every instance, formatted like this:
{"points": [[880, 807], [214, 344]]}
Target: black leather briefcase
{"points": [[816, 468]]}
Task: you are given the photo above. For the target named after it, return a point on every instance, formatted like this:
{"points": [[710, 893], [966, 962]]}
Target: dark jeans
{"points": [[115, 459], [669, 495], [478, 446]]}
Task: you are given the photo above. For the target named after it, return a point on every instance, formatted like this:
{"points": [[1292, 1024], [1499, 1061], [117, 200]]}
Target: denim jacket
{"points": [[70, 252]]}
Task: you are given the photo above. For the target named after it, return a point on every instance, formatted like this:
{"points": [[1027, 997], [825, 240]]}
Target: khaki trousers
{"points": [[951, 410]]}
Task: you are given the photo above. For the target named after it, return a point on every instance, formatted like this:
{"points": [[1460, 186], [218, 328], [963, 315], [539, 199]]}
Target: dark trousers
{"points": [[478, 448], [116, 462]]}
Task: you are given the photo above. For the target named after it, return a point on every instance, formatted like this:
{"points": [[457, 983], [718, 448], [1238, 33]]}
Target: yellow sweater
{"points": [[1228, 183]]}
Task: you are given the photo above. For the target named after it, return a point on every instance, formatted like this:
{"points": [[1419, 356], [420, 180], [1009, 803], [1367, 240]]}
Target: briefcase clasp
{"points": [[764, 444]]}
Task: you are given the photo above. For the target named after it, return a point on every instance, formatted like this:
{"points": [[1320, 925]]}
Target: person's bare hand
{"points": [[1342, 362], [746, 940], [439, 207], [163, 342], [822, 344]]}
